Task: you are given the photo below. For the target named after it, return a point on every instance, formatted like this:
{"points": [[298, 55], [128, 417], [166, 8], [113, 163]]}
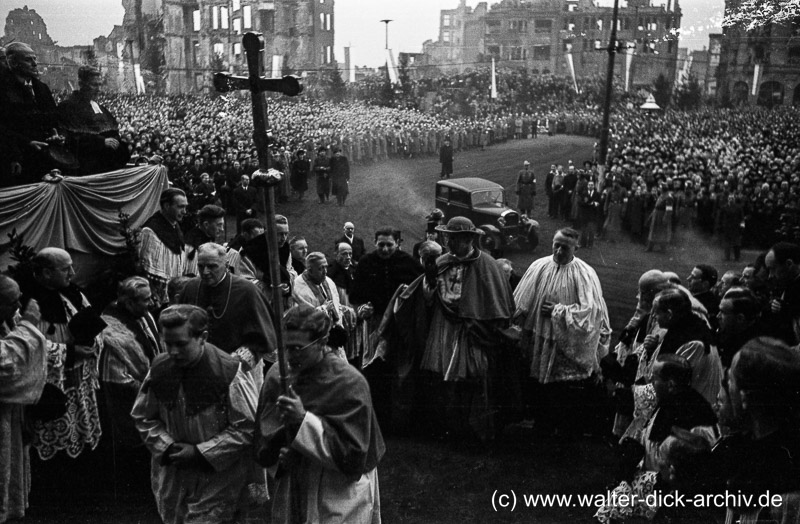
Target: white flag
{"points": [[277, 66], [571, 64], [756, 74], [628, 61], [494, 82], [392, 67]]}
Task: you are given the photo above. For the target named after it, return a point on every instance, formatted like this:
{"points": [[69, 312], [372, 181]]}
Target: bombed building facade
{"points": [[182, 42], [540, 35]]}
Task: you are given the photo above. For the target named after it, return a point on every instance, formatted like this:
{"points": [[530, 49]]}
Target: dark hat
{"points": [[459, 225]]}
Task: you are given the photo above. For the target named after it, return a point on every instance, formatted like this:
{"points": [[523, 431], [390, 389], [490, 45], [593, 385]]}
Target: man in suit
{"points": [[244, 200], [30, 120], [589, 214], [357, 243]]}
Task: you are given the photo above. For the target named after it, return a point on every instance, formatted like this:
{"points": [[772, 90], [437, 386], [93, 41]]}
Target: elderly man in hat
{"points": [[526, 189], [470, 300]]}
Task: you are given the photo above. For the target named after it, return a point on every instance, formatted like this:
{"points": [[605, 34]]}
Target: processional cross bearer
{"points": [[264, 177]]}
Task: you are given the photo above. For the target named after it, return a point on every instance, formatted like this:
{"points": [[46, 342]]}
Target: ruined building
{"points": [[540, 34], [58, 65], [182, 42], [760, 66]]}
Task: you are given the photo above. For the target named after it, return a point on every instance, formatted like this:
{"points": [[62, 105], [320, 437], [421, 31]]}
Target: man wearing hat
{"points": [[92, 131], [526, 189], [469, 300]]}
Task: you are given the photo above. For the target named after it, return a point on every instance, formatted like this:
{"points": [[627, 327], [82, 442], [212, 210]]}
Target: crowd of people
{"points": [[704, 158], [451, 339], [184, 360]]}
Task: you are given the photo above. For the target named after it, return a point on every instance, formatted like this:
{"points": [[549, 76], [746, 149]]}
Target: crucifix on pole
{"points": [[264, 177]]}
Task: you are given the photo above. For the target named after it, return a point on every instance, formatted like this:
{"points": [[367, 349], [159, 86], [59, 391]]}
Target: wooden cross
{"points": [[253, 44]]}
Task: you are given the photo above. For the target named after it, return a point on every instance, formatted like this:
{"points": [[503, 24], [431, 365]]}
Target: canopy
{"points": [[81, 214], [650, 103]]}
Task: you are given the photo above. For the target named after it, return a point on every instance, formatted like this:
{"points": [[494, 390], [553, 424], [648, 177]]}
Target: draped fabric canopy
{"points": [[81, 214]]}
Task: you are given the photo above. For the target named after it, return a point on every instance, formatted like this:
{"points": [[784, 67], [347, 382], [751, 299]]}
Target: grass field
{"points": [[427, 482]]}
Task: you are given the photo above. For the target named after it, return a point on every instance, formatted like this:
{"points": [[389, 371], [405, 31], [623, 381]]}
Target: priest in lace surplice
{"points": [[25, 357], [60, 301], [564, 320]]}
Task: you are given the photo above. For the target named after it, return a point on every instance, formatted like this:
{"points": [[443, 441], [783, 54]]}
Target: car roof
{"points": [[469, 184]]}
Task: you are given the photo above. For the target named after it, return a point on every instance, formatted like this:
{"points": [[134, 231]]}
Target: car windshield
{"points": [[488, 198]]}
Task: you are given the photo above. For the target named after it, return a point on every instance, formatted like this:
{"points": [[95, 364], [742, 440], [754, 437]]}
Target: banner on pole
{"points": [[137, 75], [277, 66], [494, 82], [571, 64], [756, 74], [628, 61], [392, 67]]}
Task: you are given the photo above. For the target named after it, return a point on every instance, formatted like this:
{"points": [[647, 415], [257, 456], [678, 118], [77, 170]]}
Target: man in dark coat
{"points": [[589, 214], [299, 177], [378, 275], [322, 170], [340, 176], [29, 121], [244, 201], [91, 130], [446, 159], [731, 225]]}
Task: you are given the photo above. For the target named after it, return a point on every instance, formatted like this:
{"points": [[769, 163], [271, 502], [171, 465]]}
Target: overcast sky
{"points": [[357, 22]]}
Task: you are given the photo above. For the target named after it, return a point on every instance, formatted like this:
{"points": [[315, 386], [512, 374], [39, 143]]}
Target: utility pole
{"points": [[612, 51], [387, 31]]}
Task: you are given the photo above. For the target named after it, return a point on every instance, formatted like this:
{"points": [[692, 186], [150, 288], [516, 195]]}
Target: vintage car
{"points": [[484, 203]]}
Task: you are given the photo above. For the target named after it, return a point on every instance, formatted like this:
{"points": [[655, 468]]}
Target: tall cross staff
{"points": [[264, 177]]}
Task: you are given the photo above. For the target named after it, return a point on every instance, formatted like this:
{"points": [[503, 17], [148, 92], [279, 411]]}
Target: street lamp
{"points": [[387, 31]]}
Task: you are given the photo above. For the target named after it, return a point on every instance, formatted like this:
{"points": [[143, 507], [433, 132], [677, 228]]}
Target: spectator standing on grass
{"points": [[526, 189], [300, 170], [340, 176], [195, 413], [590, 214], [322, 172], [660, 219], [446, 158], [244, 201], [730, 224]]}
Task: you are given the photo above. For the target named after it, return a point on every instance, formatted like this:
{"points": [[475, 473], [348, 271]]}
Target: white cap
{"points": [[526, 163]]}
